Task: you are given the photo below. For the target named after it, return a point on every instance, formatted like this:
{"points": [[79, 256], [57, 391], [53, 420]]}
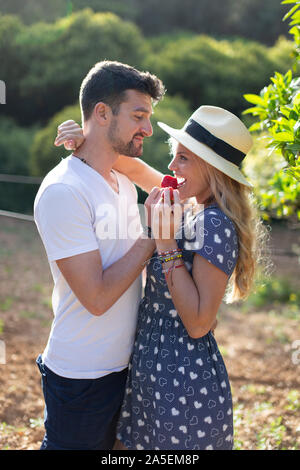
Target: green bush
{"points": [[274, 291], [204, 70], [43, 154], [15, 143]]}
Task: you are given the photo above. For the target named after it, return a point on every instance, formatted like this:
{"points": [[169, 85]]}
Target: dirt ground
{"points": [[258, 345]]}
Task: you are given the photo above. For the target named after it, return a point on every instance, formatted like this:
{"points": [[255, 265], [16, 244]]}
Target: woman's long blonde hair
{"points": [[236, 200]]}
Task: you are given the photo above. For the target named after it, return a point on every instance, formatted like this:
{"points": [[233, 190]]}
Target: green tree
{"points": [[277, 108]]}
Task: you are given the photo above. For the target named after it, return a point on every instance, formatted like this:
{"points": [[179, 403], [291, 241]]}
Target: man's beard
{"points": [[129, 149]]}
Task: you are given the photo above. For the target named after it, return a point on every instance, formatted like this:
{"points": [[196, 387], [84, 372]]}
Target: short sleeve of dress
{"points": [[214, 237]]}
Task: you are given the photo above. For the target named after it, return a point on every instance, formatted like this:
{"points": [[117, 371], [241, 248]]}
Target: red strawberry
{"points": [[169, 182]]}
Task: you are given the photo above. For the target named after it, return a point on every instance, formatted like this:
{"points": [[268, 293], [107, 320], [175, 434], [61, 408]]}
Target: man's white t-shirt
{"points": [[77, 211]]}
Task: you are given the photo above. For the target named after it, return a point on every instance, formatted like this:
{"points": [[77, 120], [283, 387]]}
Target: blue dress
{"points": [[177, 393]]}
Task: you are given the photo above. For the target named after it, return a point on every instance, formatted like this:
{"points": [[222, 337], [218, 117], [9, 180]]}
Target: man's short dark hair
{"points": [[108, 81]]}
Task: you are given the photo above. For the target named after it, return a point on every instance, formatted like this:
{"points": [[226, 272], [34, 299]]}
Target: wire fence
{"points": [[18, 179], [16, 215], [4, 178]]}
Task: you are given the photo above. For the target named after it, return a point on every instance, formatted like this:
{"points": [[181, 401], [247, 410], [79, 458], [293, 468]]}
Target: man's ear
{"points": [[102, 113]]}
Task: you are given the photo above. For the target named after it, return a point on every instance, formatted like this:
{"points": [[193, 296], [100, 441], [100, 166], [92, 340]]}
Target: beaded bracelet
{"points": [[169, 252], [165, 259], [165, 256]]}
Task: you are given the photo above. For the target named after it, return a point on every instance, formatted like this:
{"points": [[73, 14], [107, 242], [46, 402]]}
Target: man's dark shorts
{"points": [[81, 414]]}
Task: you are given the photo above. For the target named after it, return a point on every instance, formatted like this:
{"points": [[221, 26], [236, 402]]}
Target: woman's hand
{"points": [[70, 134], [166, 218]]}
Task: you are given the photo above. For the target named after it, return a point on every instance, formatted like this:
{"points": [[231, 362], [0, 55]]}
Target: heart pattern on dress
{"points": [[177, 392]]}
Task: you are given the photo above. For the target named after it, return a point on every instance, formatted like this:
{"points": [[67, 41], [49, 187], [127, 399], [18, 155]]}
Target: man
{"points": [[96, 277]]}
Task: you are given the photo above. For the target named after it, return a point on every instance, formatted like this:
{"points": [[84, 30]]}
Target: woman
{"points": [[178, 394]]}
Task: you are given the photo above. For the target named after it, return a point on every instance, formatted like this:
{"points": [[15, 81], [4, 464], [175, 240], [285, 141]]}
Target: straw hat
{"points": [[218, 137]]}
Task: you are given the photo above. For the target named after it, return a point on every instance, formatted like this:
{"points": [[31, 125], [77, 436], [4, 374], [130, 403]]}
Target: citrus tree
{"points": [[277, 108]]}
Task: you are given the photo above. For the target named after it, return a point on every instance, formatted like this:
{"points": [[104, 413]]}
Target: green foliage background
{"points": [[277, 108], [205, 52], [46, 62], [205, 70], [253, 19]]}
